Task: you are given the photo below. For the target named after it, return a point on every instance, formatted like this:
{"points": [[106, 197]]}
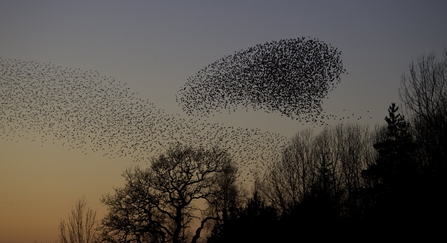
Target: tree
{"points": [[225, 203], [289, 180], [424, 93], [395, 152], [323, 167], [162, 202], [81, 225], [424, 89], [253, 222], [396, 174], [132, 213]]}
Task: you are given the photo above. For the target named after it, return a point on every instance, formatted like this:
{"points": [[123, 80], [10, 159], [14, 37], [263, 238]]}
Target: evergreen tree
{"points": [[395, 177], [396, 152]]}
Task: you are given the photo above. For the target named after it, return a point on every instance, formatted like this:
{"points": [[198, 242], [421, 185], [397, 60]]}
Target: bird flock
{"points": [[92, 113], [290, 76]]}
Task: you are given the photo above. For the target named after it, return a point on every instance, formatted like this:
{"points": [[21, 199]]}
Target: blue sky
{"points": [[154, 46]]}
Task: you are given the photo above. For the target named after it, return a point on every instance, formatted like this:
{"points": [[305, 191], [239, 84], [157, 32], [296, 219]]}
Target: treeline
{"points": [[348, 182], [345, 182]]}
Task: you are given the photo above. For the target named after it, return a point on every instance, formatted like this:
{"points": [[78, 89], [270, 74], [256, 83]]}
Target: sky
{"points": [[154, 46]]}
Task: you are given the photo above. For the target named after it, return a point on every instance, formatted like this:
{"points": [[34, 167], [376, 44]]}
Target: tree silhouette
{"points": [[227, 199], [289, 180], [81, 226], [396, 174], [255, 222], [424, 93], [162, 203], [328, 166], [395, 152]]}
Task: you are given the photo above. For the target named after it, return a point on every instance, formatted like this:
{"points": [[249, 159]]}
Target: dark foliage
{"points": [[256, 222]]}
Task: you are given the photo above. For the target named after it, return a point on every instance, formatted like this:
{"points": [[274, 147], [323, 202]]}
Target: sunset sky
{"points": [[154, 46]]}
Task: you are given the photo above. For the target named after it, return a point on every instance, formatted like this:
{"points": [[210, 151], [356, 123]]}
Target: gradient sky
{"points": [[154, 46]]}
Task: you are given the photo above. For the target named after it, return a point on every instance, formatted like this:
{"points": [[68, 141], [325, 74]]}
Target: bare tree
{"points": [[288, 181], [424, 89], [162, 203], [328, 166], [226, 197], [424, 94], [132, 212], [81, 225]]}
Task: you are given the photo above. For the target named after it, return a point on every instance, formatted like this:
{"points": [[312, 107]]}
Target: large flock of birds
{"points": [[86, 111], [290, 76], [89, 112]]}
